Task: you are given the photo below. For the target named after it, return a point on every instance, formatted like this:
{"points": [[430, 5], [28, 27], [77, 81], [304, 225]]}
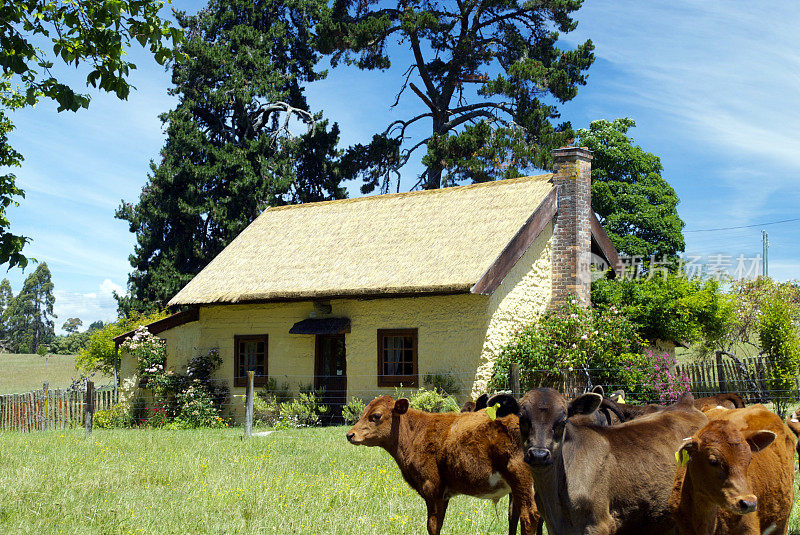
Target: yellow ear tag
{"points": [[621, 400], [492, 411], [681, 457]]}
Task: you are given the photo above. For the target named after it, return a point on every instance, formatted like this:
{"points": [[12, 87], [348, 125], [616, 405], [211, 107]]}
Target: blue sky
{"points": [[712, 85]]}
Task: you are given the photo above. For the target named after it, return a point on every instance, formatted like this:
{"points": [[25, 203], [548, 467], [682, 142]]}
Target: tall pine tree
{"points": [[30, 317], [242, 138], [488, 74]]}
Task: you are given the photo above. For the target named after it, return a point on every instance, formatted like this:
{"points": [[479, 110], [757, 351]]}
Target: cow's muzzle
{"points": [[538, 457], [746, 505], [350, 437]]}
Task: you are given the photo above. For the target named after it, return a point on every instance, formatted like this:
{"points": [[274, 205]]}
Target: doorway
{"points": [[330, 373]]}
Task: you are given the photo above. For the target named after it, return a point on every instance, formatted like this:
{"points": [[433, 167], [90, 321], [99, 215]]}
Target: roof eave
{"points": [[520, 243], [366, 293]]}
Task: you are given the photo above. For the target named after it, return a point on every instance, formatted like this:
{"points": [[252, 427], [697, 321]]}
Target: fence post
{"points": [[722, 384], [248, 415], [88, 408], [513, 378]]}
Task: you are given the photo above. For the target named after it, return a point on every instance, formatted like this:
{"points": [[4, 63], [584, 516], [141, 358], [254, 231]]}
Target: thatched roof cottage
{"points": [[362, 295]]}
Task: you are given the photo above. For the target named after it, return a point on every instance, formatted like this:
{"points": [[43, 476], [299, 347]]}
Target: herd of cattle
{"points": [[595, 465]]}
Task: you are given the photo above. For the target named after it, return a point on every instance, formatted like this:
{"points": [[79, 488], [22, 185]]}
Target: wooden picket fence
{"points": [[46, 408], [724, 375], [749, 378]]}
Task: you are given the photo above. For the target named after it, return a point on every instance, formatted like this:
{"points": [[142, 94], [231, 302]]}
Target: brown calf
{"points": [[596, 479], [444, 455], [738, 477]]}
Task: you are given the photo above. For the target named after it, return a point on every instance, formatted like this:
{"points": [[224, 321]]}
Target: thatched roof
{"points": [[437, 241]]}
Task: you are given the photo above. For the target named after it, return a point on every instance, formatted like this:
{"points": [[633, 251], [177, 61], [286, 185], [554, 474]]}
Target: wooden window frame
{"points": [[397, 380], [258, 380]]}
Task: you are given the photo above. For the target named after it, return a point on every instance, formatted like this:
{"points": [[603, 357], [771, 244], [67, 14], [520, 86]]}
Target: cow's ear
{"points": [[599, 390], [400, 406], [481, 402], [585, 404], [507, 404], [759, 440], [689, 448]]}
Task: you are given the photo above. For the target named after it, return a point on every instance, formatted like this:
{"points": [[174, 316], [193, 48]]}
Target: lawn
{"points": [[23, 373], [211, 481]]}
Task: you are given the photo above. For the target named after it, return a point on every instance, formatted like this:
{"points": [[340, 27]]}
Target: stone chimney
{"points": [[572, 233]]}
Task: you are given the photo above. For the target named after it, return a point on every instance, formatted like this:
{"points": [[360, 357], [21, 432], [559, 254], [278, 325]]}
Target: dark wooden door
{"points": [[331, 373]]}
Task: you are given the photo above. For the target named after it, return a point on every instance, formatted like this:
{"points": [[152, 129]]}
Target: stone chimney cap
{"points": [[570, 153]]}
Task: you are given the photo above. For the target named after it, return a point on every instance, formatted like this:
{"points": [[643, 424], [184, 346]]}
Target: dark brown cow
{"points": [[603, 480], [739, 475], [444, 455], [478, 404]]}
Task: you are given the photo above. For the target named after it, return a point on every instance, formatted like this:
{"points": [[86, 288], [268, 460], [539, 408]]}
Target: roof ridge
{"points": [[491, 183]]}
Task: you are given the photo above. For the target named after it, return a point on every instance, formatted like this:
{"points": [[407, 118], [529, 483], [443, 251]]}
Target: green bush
{"points": [[273, 391], [445, 383], [353, 410], [433, 401], [197, 410], [428, 400], [267, 412], [674, 308], [304, 411], [115, 417], [779, 340]]}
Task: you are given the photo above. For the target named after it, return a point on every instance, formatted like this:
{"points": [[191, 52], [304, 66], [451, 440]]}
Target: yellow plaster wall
{"points": [[457, 334], [524, 294]]}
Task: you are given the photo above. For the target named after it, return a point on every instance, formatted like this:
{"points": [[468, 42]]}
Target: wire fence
{"points": [[749, 377]]}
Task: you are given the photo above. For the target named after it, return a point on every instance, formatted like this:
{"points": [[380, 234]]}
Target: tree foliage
{"points": [[30, 316], [35, 35], [98, 354], [637, 207], [668, 309], [72, 325], [489, 75], [241, 139]]}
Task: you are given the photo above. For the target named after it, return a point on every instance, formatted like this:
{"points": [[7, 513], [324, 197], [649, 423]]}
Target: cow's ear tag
{"points": [[681, 457], [621, 400], [492, 411]]}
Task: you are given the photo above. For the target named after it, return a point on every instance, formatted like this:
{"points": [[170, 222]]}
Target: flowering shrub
{"points": [[601, 344], [150, 353], [196, 410], [192, 400], [662, 380], [157, 417]]}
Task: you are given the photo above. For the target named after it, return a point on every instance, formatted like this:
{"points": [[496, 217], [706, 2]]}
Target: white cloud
{"points": [[90, 306]]}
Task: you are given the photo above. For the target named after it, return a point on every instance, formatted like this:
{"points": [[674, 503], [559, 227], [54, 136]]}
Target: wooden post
{"points": [[513, 378], [248, 414], [88, 408], [722, 383]]}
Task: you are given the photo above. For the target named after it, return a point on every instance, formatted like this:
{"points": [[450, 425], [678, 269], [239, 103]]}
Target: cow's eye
{"points": [[713, 461], [374, 417], [559, 425]]}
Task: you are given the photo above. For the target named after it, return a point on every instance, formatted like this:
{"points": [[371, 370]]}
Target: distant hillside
{"points": [[23, 373]]}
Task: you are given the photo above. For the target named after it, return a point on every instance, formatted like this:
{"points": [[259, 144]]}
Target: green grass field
{"points": [[23, 373], [211, 481]]}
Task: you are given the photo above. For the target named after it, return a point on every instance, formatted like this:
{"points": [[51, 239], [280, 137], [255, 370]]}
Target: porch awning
{"points": [[321, 326]]}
